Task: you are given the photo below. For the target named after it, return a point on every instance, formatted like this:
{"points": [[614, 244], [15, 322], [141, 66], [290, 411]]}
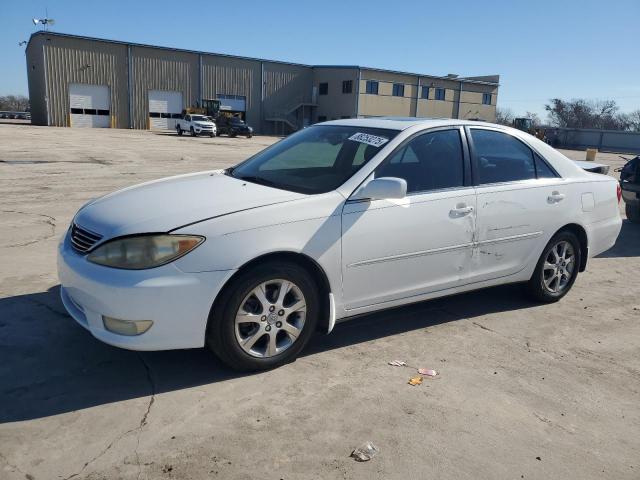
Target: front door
{"points": [[396, 249]]}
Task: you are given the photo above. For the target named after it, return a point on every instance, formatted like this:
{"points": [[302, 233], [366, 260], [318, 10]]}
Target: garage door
{"points": [[164, 108], [90, 105]]}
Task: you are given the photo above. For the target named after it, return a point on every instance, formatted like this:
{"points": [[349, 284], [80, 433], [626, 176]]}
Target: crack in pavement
{"points": [[483, 327], [49, 220], [48, 307], [14, 467], [143, 422]]}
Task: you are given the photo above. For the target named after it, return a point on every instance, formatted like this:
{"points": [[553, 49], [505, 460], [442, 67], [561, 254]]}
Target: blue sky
{"points": [[541, 49]]}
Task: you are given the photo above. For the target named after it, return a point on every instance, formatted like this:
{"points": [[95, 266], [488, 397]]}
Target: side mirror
{"points": [[382, 188]]}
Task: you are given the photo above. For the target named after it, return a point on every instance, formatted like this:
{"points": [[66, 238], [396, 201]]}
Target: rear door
{"points": [[398, 249], [518, 195]]}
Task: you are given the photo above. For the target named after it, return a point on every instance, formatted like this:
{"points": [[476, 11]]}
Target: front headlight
{"points": [[144, 251]]}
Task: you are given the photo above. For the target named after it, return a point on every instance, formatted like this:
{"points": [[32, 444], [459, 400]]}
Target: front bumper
{"points": [[205, 130], [177, 302]]}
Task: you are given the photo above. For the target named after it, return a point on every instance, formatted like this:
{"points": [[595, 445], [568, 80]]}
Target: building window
{"points": [[344, 117], [322, 118], [323, 88], [372, 87], [398, 90], [425, 92], [486, 99], [440, 93], [347, 86]]}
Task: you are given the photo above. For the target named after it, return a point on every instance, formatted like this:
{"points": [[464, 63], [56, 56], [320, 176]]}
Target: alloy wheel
{"points": [[559, 266], [270, 318]]}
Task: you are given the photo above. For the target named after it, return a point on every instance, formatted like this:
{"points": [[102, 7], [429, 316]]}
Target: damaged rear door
{"points": [[514, 212]]}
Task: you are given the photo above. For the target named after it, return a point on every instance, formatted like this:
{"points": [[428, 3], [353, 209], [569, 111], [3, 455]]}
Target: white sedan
{"points": [[340, 219]]}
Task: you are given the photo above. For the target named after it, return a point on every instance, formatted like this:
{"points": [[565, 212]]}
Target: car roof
{"points": [[402, 123]]}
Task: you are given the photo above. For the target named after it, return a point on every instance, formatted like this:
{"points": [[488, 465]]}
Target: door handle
{"points": [[461, 210], [555, 197]]}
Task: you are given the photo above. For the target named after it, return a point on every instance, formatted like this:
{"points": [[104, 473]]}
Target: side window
{"points": [[501, 157], [431, 161], [542, 169]]}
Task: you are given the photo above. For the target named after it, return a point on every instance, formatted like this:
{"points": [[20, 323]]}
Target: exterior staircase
{"points": [[289, 115]]}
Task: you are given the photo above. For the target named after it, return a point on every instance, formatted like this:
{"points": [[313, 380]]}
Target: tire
{"points": [[193, 132], [633, 212], [232, 134], [211, 135], [224, 336], [250, 135], [179, 130], [550, 287]]}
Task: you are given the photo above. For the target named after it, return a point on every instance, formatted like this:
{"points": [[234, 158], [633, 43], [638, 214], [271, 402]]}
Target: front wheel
{"points": [[633, 212], [264, 317], [193, 132], [557, 268]]}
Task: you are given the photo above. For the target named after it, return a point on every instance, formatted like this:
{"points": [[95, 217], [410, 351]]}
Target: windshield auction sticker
{"points": [[368, 139]]}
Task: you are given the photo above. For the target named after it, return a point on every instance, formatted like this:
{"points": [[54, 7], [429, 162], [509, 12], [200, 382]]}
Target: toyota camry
{"points": [[339, 219]]}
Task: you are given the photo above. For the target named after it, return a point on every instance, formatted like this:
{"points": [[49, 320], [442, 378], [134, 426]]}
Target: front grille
{"points": [[82, 239]]}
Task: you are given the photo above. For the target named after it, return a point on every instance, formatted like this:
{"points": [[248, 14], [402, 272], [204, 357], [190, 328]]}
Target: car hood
{"points": [[164, 205], [205, 124]]}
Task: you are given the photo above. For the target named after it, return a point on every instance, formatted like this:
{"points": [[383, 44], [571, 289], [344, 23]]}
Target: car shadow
{"points": [[627, 243], [50, 365]]}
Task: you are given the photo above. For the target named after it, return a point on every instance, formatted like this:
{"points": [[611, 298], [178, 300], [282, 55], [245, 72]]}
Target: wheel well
{"points": [[580, 232], [305, 262]]}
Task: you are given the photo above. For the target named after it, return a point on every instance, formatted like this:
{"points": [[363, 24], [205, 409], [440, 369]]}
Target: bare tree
{"points": [[504, 116], [580, 113], [633, 120], [15, 103]]}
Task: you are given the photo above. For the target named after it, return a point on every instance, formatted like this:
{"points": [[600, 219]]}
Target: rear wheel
{"points": [[179, 130], [633, 212], [264, 317], [557, 268]]}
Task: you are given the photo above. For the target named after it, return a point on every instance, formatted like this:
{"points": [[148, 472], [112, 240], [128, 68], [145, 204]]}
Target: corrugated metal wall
{"points": [[156, 69], [35, 77], [231, 76], [70, 60]]}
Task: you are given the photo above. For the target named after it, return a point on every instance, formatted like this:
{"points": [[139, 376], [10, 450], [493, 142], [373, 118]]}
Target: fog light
{"points": [[126, 327]]}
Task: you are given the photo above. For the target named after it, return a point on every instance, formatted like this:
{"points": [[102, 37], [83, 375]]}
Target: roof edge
{"points": [[483, 80]]}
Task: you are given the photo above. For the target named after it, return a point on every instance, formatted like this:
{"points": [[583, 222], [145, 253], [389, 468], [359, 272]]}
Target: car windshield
{"points": [[198, 118], [315, 160]]}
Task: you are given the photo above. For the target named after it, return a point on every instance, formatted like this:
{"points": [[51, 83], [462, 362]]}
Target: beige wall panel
{"points": [[436, 109], [156, 69], [73, 60], [35, 79], [382, 106], [483, 112], [336, 104]]}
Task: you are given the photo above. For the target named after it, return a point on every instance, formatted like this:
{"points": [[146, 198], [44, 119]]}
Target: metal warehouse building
{"points": [[88, 82]]}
